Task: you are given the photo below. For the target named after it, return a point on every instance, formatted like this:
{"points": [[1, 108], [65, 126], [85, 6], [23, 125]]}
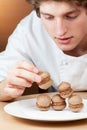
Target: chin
{"points": [[65, 49]]}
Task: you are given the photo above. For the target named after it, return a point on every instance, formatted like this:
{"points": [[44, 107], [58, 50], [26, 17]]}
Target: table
{"points": [[8, 122]]}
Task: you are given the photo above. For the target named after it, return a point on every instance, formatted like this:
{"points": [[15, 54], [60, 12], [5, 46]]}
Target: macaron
{"points": [[46, 80], [75, 103], [58, 103], [65, 89], [43, 102]]}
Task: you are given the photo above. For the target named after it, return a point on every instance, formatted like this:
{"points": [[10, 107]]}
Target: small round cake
{"points": [[65, 89], [46, 80], [75, 103], [43, 102], [58, 103]]}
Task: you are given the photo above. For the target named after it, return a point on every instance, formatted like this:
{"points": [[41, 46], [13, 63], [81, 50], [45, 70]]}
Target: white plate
{"points": [[27, 109]]}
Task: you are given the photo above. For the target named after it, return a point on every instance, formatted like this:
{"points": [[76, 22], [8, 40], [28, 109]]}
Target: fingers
{"points": [[27, 71], [20, 76], [13, 92], [29, 76], [19, 82], [23, 74], [27, 66]]}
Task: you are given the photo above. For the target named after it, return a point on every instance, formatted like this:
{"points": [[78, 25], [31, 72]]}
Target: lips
{"points": [[64, 40]]}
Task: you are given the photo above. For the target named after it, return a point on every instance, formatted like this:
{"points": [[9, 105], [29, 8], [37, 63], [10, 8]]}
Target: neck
{"points": [[79, 51]]}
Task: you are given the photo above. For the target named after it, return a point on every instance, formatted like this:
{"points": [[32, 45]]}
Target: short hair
{"points": [[36, 3]]}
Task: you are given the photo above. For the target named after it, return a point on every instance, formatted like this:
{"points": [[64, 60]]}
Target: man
{"points": [[53, 39]]}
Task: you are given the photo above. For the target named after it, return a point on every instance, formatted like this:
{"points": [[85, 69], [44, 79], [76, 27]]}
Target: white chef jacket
{"points": [[31, 42]]}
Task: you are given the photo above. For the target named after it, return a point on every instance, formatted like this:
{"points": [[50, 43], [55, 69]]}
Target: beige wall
{"points": [[11, 12]]}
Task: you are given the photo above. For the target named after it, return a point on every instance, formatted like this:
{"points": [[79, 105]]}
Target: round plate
{"points": [[27, 109]]}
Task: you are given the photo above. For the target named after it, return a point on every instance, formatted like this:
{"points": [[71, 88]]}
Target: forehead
{"points": [[52, 7]]}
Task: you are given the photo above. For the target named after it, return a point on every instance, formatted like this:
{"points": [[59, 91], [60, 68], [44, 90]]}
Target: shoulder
{"points": [[30, 20], [30, 23]]}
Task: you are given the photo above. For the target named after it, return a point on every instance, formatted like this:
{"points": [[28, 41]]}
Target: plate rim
{"points": [[38, 119]]}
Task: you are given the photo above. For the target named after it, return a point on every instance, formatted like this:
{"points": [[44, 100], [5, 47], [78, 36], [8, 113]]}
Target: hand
{"points": [[20, 76]]}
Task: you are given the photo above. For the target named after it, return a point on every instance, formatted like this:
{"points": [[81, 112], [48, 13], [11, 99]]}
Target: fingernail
{"points": [[35, 70], [28, 84], [37, 79]]}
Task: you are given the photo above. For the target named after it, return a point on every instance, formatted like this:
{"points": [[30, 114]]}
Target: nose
{"points": [[60, 28]]}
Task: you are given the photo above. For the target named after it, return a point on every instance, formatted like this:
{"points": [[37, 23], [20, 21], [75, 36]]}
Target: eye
{"points": [[71, 16], [48, 17]]}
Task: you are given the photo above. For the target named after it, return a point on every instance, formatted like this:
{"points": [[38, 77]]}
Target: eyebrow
{"points": [[44, 13], [73, 11], [66, 13]]}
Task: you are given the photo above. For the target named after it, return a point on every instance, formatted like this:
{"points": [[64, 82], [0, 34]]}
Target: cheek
{"points": [[80, 27], [80, 32]]}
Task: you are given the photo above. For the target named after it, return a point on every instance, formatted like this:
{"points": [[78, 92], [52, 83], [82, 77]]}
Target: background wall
{"points": [[11, 12]]}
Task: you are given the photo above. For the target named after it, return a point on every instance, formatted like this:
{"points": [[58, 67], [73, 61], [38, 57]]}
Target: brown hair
{"points": [[36, 3]]}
